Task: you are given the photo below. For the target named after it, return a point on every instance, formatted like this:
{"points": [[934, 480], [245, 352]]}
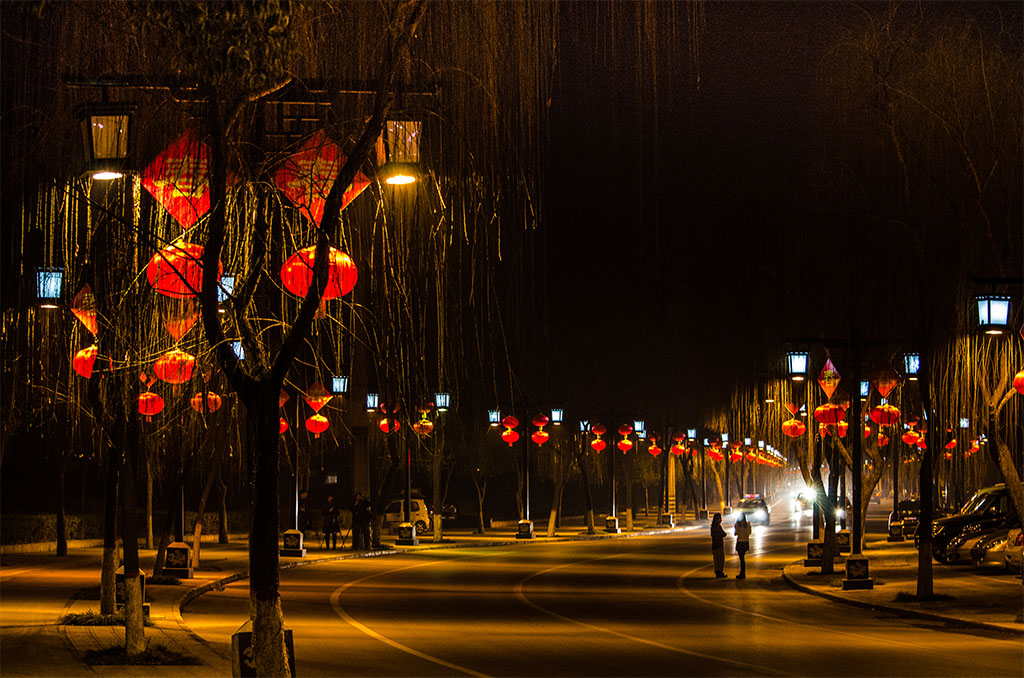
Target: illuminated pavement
{"points": [[643, 605]]}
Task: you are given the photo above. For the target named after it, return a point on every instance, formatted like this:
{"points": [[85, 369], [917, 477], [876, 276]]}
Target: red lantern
{"points": [[735, 456], [84, 308], [829, 413], [317, 397], [541, 420], [150, 404], [177, 270], [678, 448], [297, 273], [282, 426], [282, 398], [654, 449], [212, 402], [794, 428], [625, 430], [921, 444], [598, 445], [423, 427], [510, 422], [715, 454], [679, 437], [842, 427], [867, 431], [389, 425], [540, 437], [1018, 382], [885, 415], [317, 424], [84, 359], [951, 444], [625, 444], [175, 366], [910, 437], [598, 430], [883, 440], [510, 436]]}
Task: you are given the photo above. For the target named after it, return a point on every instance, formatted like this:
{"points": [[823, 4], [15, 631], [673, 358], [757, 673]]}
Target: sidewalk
{"points": [[978, 598]]}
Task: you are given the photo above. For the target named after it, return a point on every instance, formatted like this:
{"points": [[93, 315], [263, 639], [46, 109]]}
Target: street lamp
{"points": [[49, 282], [372, 401], [399, 148], [106, 135], [911, 365], [796, 365], [339, 384], [442, 401], [993, 313], [557, 413], [493, 417]]}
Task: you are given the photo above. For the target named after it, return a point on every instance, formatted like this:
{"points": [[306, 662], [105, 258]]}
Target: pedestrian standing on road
{"points": [[718, 545], [331, 524], [742, 531], [361, 517]]}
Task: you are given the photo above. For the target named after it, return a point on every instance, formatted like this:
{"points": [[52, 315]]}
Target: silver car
{"points": [[1014, 551]]}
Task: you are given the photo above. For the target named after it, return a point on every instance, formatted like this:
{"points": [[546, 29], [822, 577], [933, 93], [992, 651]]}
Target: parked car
{"points": [[960, 547], [1014, 552], [990, 551], [908, 511], [987, 509], [755, 509], [394, 513], [448, 511]]}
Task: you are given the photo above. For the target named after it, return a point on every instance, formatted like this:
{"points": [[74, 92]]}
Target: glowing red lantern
{"points": [[921, 444], [282, 398], [316, 424], [598, 445], [510, 422], [282, 426], [883, 440], [423, 427], [794, 428], [735, 456], [84, 308], [177, 270], [389, 425], [678, 448], [175, 366], [212, 402], [1018, 382], [625, 430], [829, 413], [540, 437], [715, 454], [867, 431], [317, 397], [150, 404], [540, 420], [84, 360], [654, 449], [297, 273], [625, 445], [598, 430], [910, 437], [510, 437], [885, 415], [951, 444]]}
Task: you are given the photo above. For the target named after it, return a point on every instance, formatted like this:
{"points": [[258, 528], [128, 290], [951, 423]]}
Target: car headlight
{"points": [[760, 515], [972, 528], [998, 543], [957, 541]]}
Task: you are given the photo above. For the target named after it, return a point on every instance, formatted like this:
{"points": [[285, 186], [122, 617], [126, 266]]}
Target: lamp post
{"points": [[106, 137]]}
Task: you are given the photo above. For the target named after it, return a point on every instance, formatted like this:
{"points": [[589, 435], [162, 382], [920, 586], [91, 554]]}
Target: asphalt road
{"points": [[642, 606]]}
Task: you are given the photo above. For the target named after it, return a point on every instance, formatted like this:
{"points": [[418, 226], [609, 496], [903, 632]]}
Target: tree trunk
{"points": [[222, 523], [481, 490], [435, 470], [134, 630], [556, 498], [172, 513], [588, 498], [108, 603], [149, 499], [62, 530], [201, 510]]}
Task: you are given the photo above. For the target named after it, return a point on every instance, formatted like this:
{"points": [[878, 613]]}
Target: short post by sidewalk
{"points": [[857, 576], [667, 520], [702, 514], [178, 561], [896, 531], [611, 524], [815, 551], [121, 595], [524, 529], [292, 544], [843, 541], [242, 665], [407, 535]]}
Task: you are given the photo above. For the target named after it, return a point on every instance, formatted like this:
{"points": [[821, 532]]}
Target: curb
{"points": [[898, 611]]}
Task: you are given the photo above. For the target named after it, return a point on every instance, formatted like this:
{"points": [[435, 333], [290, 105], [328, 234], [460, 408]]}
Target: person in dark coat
{"points": [[718, 545], [362, 514], [331, 527]]}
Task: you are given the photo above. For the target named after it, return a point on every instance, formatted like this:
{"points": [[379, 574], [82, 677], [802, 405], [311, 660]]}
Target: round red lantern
{"points": [[921, 444], [282, 426], [1018, 382], [389, 425], [540, 437], [317, 424], [177, 270], [885, 415], [842, 427], [510, 422], [598, 429], [212, 402], [625, 430], [951, 444], [715, 454], [541, 420], [829, 413], [84, 359], [598, 445], [867, 431], [423, 427], [174, 367], [735, 456], [150, 404], [654, 449], [297, 273], [510, 437], [793, 428], [625, 444], [910, 437], [678, 448]]}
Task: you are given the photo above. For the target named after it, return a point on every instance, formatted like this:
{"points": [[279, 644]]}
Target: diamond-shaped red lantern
{"points": [[828, 379]]}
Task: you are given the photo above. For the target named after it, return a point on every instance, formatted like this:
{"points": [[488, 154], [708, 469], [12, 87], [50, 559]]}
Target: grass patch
{"points": [[155, 655], [91, 618], [904, 597]]}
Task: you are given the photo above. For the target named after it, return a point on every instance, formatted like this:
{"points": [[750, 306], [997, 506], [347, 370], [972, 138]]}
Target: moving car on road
{"points": [[756, 510]]}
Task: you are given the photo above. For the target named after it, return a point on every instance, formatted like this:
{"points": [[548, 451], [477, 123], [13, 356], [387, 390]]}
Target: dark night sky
{"points": [[654, 234]]}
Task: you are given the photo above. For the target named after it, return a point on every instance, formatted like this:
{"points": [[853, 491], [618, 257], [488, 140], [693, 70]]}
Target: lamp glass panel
{"points": [[48, 283], [993, 311], [556, 415], [339, 384], [584, 425], [109, 136], [225, 287], [965, 422], [797, 362], [372, 401], [493, 416], [691, 433], [404, 141], [442, 400], [865, 388], [236, 346], [638, 426], [725, 438], [746, 441], [912, 363]]}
